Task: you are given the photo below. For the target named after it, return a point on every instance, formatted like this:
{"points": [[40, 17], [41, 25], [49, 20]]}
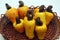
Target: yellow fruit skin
{"points": [[49, 17], [29, 27], [40, 31], [41, 15], [12, 14], [36, 10], [19, 27], [22, 11]]}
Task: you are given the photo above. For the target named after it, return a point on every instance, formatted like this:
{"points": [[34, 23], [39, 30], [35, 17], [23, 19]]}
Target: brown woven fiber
{"points": [[59, 23], [9, 33]]}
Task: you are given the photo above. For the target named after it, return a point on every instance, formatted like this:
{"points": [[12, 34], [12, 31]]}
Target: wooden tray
{"points": [[9, 33]]}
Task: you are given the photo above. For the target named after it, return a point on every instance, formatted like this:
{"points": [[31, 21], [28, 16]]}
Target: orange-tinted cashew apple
{"points": [[22, 10], [11, 13]]}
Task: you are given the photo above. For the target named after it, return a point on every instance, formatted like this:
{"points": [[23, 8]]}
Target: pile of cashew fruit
{"points": [[30, 20]]}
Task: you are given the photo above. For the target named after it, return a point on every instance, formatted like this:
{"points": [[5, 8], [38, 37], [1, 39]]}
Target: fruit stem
{"points": [[42, 8], [30, 14], [21, 3], [18, 20], [7, 6], [38, 22], [49, 8]]}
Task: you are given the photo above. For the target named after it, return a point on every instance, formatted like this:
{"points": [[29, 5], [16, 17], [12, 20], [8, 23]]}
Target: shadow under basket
{"points": [[9, 33]]}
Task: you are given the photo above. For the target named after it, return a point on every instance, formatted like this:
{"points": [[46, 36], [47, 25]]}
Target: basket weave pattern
{"points": [[9, 33]]}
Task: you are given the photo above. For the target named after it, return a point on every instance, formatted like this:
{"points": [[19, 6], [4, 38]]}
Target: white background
{"points": [[14, 3]]}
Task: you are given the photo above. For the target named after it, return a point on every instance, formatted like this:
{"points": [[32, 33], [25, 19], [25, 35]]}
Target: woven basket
{"points": [[9, 33]]}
